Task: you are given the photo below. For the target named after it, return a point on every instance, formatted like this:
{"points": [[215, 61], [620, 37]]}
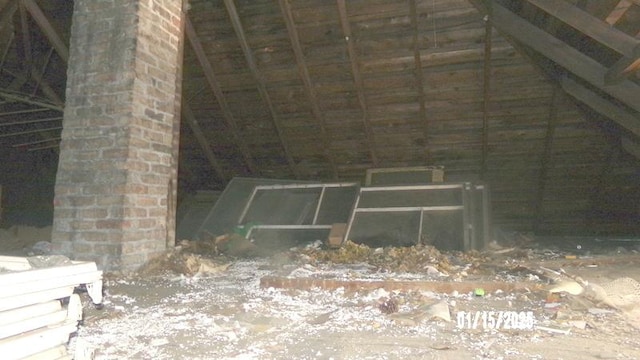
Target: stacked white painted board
{"points": [[34, 323]]}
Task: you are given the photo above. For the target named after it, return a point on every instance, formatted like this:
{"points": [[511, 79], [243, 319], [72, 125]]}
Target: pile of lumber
{"points": [[38, 308]]}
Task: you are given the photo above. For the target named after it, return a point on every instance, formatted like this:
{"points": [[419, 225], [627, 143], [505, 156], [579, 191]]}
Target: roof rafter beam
{"points": [[563, 54], [202, 140], [486, 91], [5, 51], [47, 90], [227, 115], [602, 106], [25, 37], [623, 68], [4, 3], [413, 13], [621, 8], [6, 12], [51, 94], [43, 71], [303, 70], [27, 100], [631, 146], [602, 32], [357, 78], [261, 85], [48, 30], [588, 24], [547, 157]]}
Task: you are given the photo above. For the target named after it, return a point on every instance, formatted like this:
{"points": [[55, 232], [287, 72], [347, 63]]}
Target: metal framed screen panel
{"points": [[437, 214], [298, 211], [223, 217]]}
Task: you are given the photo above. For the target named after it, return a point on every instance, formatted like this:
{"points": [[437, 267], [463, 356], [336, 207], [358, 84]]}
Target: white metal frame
{"points": [[464, 187], [313, 225]]}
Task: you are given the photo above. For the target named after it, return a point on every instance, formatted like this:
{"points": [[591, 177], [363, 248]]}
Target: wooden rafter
{"points": [[6, 12], [602, 106], [631, 146], [227, 115], [5, 51], [14, 97], [609, 162], [43, 71], [187, 113], [623, 68], [303, 70], [547, 158], [434, 57], [9, 8], [601, 31], [357, 78], [5, 135], [424, 120], [47, 29], [486, 90], [564, 55], [588, 24], [261, 85], [618, 12], [47, 90], [4, 3], [25, 36], [51, 94]]}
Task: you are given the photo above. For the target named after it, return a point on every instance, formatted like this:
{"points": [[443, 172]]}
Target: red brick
{"points": [[119, 138]]}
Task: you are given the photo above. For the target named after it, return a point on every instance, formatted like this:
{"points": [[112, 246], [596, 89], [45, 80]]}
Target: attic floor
{"points": [[222, 312]]}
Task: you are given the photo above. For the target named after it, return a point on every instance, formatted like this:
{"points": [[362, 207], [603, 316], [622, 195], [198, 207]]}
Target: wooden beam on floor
{"points": [[357, 79], [187, 113], [564, 55], [486, 90], [606, 108], [446, 287], [303, 70], [419, 75], [546, 162], [48, 30], [227, 114], [261, 85]]}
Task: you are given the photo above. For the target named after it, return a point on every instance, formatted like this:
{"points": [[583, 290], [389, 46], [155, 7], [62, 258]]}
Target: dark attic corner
{"points": [[340, 179]]}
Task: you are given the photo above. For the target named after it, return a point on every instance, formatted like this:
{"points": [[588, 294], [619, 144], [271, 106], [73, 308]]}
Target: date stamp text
{"points": [[495, 320]]}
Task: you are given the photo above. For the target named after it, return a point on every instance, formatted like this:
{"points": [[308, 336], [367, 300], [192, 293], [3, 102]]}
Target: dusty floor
{"points": [[224, 313]]}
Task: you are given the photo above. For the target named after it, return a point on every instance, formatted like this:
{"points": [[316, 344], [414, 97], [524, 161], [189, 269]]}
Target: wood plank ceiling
{"points": [[538, 98]]}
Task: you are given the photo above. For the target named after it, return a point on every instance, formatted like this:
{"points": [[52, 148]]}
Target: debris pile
{"points": [[499, 302], [183, 262], [578, 303], [414, 259], [388, 306]]}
